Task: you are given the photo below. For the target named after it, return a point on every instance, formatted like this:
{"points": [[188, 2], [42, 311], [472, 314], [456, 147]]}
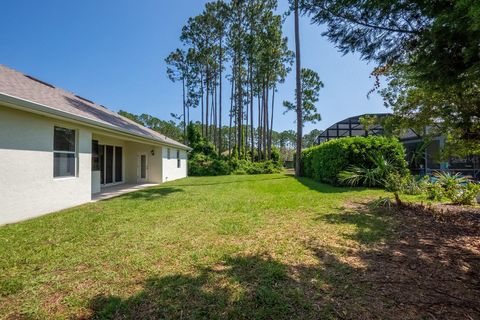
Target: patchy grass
{"points": [[244, 247]]}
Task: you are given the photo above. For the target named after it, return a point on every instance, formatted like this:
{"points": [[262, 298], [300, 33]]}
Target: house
{"points": [[423, 156], [58, 150]]}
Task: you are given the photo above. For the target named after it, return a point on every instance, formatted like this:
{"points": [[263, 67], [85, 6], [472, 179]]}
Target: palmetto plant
{"points": [[458, 188], [450, 181], [375, 176], [383, 173]]}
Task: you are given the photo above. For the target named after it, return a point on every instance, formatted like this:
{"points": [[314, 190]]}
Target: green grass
{"points": [[266, 246]]}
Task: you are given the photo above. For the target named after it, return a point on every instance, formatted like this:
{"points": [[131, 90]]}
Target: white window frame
{"points": [[75, 175], [168, 153]]}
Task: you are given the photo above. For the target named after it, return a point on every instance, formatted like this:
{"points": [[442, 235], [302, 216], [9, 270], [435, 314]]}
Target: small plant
{"points": [[384, 174], [381, 203], [457, 188], [356, 176], [375, 176], [434, 191], [412, 185], [467, 195], [452, 184]]}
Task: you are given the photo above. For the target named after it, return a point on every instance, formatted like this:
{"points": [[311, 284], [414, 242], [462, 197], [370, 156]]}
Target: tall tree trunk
{"points": [[214, 113], [184, 113], [246, 123], [298, 154], [231, 113], [239, 111], [207, 81], [271, 122], [220, 100], [259, 128], [201, 96], [252, 147], [265, 120]]}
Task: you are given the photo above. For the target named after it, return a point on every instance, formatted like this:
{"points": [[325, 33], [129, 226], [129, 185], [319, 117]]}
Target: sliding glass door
{"points": [[111, 164], [108, 164]]}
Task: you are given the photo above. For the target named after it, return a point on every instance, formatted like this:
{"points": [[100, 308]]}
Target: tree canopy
{"points": [[240, 41], [428, 51], [311, 85]]}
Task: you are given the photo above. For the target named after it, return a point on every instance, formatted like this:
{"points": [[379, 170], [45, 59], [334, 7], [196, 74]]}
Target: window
{"points": [[64, 152], [178, 158], [168, 153]]}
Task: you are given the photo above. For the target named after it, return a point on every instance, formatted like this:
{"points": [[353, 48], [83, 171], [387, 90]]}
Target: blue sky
{"points": [[113, 51]]}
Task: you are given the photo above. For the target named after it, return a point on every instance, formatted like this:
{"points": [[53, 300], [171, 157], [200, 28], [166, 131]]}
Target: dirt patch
{"points": [[429, 269]]}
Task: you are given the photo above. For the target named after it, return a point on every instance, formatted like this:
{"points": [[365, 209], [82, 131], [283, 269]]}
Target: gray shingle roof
{"points": [[16, 84]]}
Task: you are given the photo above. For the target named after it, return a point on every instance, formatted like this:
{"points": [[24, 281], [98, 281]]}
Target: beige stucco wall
{"points": [[154, 162], [170, 170], [27, 185]]}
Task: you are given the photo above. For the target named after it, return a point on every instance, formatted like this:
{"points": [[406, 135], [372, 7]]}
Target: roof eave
{"points": [[30, 106]]}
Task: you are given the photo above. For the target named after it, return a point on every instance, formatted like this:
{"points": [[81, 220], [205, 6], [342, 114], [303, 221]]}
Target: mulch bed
{"points": [[429, 269]]}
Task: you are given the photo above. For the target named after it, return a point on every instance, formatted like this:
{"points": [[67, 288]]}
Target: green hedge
{"points": [[325, 161]]}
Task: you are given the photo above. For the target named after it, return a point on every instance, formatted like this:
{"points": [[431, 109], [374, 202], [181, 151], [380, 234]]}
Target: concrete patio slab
{"points": [[118, 190]]}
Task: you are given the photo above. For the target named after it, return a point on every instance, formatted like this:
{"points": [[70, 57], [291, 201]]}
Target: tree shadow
{"points": [[228, 182], [369, 228], [326, 188], [419, 264], [249, 287], [151, 193], [428, 268]]}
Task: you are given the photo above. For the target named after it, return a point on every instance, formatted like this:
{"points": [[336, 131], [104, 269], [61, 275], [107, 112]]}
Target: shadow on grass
{"points": [[252, 287], [425, 270], [151, 193], [419, 265], [370, 227], [325, 188], [231, 182]]}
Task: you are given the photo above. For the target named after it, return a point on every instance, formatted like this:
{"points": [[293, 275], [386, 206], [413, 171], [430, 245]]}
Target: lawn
{"points": [[232, 247]]}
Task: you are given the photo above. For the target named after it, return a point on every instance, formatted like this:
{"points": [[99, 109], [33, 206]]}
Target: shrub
{"points": [[412, 185], [382, 174], [306, 164], [275, 155], [434, 191], [375, 176], [248, 167], [199, 144], [451, 183], [402, 183], [201, 165], [467, 195], [458, 189], [325, 161], [204, 160]]}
